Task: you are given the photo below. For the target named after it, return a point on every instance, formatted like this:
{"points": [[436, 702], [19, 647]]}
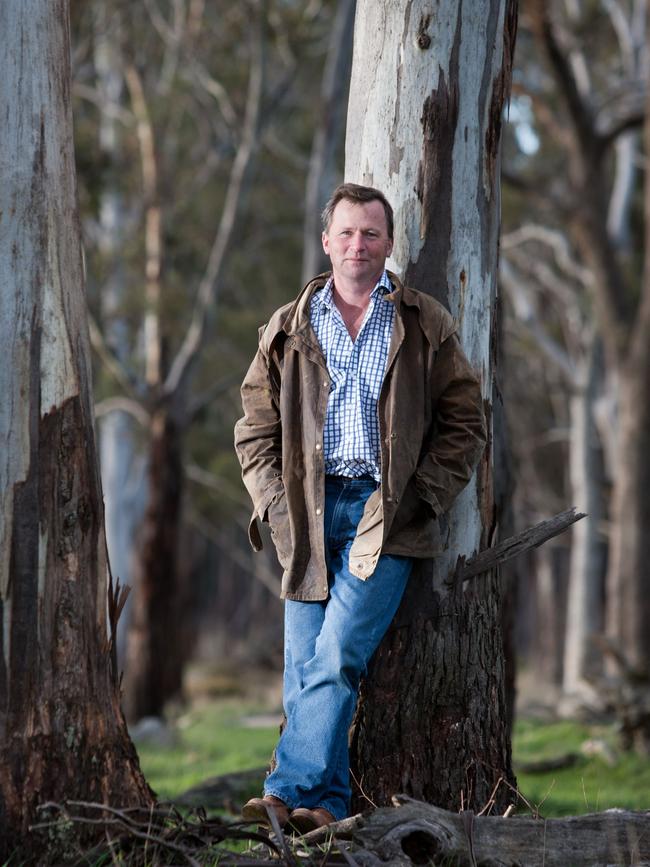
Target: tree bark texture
{"points": [[429, 82], [62, 734]]}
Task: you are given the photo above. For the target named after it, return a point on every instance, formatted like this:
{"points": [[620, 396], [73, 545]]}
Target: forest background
{"points": [[208, 136]]}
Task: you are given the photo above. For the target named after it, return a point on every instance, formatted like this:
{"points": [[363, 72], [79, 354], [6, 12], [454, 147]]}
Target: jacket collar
{"points": [[297, 322]]}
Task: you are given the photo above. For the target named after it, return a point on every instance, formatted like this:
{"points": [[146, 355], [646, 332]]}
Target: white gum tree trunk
{"points": [[61, 731], [122, 470], [429, 82], [586, 600]]}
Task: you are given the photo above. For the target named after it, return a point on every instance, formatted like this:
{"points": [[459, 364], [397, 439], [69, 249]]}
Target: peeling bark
{"points": [[439, 83], [62, 734]]}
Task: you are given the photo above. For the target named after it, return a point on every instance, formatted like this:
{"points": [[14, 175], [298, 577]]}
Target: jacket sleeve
{"points": [[458, 435], [258, 440]]}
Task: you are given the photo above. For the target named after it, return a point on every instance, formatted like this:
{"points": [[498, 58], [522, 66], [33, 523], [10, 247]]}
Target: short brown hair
{"points": [[357, 193]]}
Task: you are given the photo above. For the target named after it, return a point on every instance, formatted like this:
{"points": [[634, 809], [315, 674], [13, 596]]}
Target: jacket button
{"points": [[319, 511], [318, 447], [389, 499], [393, 436]]}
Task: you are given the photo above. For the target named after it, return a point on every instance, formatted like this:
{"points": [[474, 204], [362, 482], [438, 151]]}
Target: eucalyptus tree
{"points": [[424, 124], [583, 206], [203, 122], [62, 734]]}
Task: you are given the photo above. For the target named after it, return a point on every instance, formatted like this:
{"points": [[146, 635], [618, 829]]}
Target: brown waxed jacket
{"points": [[432, 434]]}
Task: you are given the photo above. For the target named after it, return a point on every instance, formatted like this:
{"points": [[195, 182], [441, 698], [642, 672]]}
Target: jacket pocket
{"points": [[278, 519]]}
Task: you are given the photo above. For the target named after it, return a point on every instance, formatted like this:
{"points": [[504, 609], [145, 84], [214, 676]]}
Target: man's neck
{"points": [[352, 293], [352, 302]]}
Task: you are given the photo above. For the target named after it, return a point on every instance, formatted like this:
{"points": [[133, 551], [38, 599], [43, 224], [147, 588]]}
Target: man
{"points": [[362, 422]]}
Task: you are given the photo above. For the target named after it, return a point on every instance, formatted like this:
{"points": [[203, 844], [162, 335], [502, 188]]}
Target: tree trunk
{"points": [[628, 599], [120, 467], [419, 73], [61, 731], [586, 600], [155, 650]]}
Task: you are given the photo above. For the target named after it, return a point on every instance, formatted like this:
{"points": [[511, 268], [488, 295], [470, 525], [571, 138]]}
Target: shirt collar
{"points": [[324, 297]]}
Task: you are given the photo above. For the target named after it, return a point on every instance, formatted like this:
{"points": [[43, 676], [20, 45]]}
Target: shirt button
{"points": [[319, 511]]}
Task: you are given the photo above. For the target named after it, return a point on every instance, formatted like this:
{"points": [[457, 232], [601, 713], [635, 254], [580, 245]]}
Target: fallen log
{"points": [[419, 833]]}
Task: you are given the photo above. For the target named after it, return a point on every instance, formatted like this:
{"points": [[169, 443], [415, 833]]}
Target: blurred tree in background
{"points": [[578, 305], [198, 126], [194, 127]]}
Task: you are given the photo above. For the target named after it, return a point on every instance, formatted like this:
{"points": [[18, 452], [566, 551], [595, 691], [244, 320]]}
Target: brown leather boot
{"points": [[303, 820], [256, 810]]}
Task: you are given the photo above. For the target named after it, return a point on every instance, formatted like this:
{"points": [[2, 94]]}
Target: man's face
{"points": [[357, 241]]}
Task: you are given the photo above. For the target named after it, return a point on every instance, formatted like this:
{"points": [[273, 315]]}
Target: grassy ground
{"points": [[598, 782], [209, 741], [214, 739]]}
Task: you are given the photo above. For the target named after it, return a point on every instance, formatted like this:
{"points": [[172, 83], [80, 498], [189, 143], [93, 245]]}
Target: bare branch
{"points": [[208, 288], [109, 359], [200, 401], [559, 245], [223, 541], [199, 74], [221, 486], [622, 27], [123, 404], [109, 108], [579, 109], [533, 537], [624, 109], [525, 312]]}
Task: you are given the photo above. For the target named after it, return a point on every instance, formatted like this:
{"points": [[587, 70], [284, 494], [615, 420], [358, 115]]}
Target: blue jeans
{"points": [[327, 648]]}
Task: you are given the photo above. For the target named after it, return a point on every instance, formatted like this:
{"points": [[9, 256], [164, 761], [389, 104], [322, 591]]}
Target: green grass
{"points": [[211, 741], [590, 785]]}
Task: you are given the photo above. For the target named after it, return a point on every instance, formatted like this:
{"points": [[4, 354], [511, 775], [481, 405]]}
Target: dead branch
{"points": [[533, 537]]}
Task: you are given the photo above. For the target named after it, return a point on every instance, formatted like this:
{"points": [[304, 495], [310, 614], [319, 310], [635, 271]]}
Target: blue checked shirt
{"points": [[356, 369]]}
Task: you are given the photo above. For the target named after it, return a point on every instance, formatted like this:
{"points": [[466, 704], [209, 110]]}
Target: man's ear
{"points": [[326, 243]]}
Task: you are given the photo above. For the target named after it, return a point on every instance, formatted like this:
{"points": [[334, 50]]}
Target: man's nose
{"points": [[358, 241]]}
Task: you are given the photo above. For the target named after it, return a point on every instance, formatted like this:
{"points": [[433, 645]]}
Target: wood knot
{"points": [[423, 39]]}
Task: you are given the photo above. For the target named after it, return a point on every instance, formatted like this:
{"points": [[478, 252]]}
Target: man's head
{"points": [[358, 194], [358, 236]]}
